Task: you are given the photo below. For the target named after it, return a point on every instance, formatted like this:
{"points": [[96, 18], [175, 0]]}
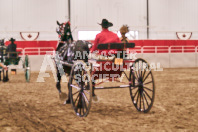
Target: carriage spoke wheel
{"points": [[142, 87], [80, 88], [26, 67]]}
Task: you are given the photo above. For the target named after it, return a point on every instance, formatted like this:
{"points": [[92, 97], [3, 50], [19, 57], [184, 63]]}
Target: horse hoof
{"points": [[95, 99], [67, 101], [58, 86], [5, 80], [63, 96]]}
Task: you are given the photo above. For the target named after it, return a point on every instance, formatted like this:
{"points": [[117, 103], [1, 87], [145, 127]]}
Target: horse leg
{"points": [[7, 79], [58, 86], [5, 75], [93, 84], [4, 78], [68, 101], [95, 98], [0, 75]]}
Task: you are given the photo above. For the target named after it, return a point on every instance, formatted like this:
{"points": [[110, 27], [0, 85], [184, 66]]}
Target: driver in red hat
{"points": [[105, 36]]}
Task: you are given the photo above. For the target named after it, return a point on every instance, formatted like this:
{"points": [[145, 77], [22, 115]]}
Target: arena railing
{"points": [[166, 49], [183, 49], [138, 49], [36, 50]]}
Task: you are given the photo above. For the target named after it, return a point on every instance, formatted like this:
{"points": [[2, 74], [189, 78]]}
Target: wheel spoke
{"points": [[135, 94], [142, 70], [138, 69], [86, 91], [83, 105], [136, 74], [134, 87], [75, 87], [148, 95], [148, 89], [76, 99], [140, 101], [143, 101], [85, 97], [146, 99], [76, 92], [147, 83], [147, 76], [85, 102], [78, 104], [80, 107], [126, 76], [143, 73], [135, 78], [138, 97]]}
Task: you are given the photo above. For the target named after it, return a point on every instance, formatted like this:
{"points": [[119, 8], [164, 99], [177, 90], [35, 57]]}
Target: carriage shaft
{"points": [[64, 63]]}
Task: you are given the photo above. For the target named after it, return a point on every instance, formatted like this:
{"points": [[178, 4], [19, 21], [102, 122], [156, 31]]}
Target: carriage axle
{"points": [[121, 86]]}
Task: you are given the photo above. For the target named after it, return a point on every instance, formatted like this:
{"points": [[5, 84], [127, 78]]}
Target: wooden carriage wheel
{"points": [[26, 67], [80, 88], [142, 85]]}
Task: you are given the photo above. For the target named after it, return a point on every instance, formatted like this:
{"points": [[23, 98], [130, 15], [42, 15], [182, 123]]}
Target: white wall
{"points": [[86, 14], [31, 15], [170, 16], [166, 16]]}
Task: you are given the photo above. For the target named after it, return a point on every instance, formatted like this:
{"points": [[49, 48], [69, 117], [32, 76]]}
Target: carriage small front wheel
{"points": [[142, 85], [80, 88]]}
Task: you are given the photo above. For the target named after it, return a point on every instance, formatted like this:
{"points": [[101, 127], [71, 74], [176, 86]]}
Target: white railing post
{"points": [[39, 53], [169, 49], [196, 56], [142, 49], [23, 52], [170, 56]]}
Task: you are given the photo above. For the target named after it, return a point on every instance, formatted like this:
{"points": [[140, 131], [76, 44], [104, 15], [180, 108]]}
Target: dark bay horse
{"points": [[66, 51]]}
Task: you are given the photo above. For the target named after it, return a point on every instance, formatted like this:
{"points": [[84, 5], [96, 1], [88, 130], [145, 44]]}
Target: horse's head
{"points": [[64, 31]]}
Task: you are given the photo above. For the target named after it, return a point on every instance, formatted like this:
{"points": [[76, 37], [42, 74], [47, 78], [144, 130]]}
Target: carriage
{"points": [[83, 79], [86, 74], [14, 62]]}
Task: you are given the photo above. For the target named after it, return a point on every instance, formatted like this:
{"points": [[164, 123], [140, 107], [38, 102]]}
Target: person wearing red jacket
{"points": [[105, 36]]}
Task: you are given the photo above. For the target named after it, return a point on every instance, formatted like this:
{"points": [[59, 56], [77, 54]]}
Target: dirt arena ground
{"points": [[36, 107]]}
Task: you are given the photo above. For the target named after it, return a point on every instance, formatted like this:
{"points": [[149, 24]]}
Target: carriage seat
{"points": [[110, 46]]}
